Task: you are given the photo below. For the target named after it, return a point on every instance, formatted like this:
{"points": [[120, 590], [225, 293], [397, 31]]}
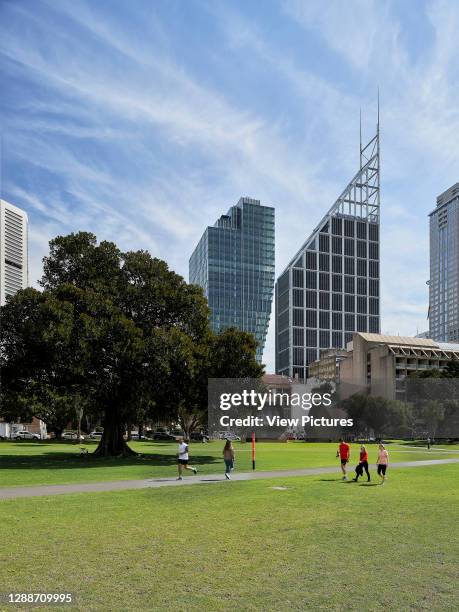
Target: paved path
{"points": [[119, 485]]}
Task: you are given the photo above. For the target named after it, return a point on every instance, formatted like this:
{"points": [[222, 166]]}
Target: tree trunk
{"points": [[112, 443]]}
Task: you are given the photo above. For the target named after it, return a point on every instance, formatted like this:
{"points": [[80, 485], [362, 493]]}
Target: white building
{"points": [[14, 272]]}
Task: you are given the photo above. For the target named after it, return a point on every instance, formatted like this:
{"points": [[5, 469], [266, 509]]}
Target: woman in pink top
{"points": [[382, 462]]}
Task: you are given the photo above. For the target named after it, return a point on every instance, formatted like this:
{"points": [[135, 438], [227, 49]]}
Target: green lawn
{"points": [[321, 544], [37, 463]]}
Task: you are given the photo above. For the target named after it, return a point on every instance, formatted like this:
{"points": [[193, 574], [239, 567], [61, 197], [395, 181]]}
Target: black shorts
{"points": [[382, 469], [344, 461], [183, 461]]}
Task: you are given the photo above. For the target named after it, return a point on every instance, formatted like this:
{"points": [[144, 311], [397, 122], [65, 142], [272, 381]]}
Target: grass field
{"points": [[321, 544], [37, 463]]}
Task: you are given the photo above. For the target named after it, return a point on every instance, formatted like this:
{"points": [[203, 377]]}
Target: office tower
{"points": [[13, 250], [330, 288], [444, 267], [234, 264]]}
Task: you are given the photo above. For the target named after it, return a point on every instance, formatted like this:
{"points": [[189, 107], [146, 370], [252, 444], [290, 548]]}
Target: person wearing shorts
{"points": [[382, 462], [344, 453], [362, 465], [182, 463]]}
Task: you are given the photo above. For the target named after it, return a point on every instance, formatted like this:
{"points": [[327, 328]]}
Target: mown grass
{"points": [[321, 544], [40, 463]]}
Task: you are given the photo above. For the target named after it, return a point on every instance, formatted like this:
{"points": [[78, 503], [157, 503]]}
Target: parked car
{"points": [[199, 436], [71, 435], [228, 435], [25, 435], [162, 435], [96, 435]]}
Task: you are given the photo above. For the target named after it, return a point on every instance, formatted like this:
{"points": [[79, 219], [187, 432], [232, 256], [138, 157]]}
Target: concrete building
{"points": [[14, 273], [234, 264], [326, 368], [380, 364], [444, 267], [330, 288]]}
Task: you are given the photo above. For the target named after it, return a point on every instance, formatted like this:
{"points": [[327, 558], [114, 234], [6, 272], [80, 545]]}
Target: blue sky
{"points": [[143, 121]]}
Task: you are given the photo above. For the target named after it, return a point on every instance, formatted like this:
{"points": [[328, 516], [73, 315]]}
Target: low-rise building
{"points": [[380, 364], [326, 368]]}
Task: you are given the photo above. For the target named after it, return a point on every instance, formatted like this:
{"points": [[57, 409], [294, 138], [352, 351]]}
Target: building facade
{"points": [[444, 267], [234, 264], [14, 274], [326, 368], [330, 288], [380, 365]]}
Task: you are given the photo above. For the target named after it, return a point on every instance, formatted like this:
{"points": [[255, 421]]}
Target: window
{"points": [[298, 297], [362, 286], [374, 250], [298, 336], [349, 323], [337, 339], [349, 303], [298, 278], [298, 317], [337, 320], [337, 263], [361, 323], [311, 337], [374, 231], [349, 265], [324, 300], [348, 228], [361, 267], [324, 339], [311, 355], [373, 325], [337, 226], [374, 306], [374, 269], [337, 282], [311, 318], [324, 319], [348, 246], [298, 356], [347, 338], [337, 244], [373, 287], [324, 262], [282, 321], [349, 284], [361, 230], [311, 260], [298, 373], [311, 299], [337, 301], [282, 340], [361, 248], [311, 280], [362, 305], [324, 243], [324, 281]]}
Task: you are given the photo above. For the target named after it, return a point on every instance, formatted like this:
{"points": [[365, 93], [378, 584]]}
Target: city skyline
{"points": [[141, 124]]}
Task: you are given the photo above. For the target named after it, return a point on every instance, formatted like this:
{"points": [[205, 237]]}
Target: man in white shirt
{"points": [[182, 455]]}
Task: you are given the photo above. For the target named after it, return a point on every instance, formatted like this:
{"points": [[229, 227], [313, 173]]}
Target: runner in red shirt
{"points": [[363, 464], [344, 453]]}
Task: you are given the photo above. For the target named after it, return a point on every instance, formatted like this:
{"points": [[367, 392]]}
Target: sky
{"points": [[144, 121]]}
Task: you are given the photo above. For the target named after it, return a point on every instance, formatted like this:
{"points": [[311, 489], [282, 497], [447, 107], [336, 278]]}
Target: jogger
{"points": [[382, 462], [182, 455], [228, 456], [362, 465], [344, 453]]}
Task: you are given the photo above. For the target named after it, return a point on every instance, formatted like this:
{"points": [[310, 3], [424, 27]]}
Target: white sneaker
{"points": [[344, 477], [228, 477], [195, 471]]}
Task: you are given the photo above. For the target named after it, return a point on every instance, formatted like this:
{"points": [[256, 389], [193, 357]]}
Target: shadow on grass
{"points": [[68, 460]]}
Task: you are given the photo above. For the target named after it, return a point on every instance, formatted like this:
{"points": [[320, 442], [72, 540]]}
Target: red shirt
{"points": [[363, 456], [344, 450]]}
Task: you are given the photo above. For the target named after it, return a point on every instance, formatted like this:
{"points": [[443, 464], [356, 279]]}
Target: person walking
{"points": [[183, 456], [382, 462], [344, 453], [228, 456], [362, 465], [428, 443]]}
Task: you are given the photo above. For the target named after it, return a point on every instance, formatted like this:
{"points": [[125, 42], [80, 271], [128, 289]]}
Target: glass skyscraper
{"points": [[234, 264], [330, 288], [444, 268]]}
